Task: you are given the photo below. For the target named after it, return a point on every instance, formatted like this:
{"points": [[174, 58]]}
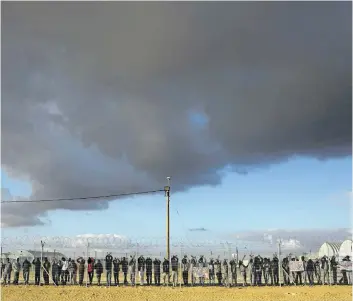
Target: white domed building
{"points": [[329, 249], [346, 249]]}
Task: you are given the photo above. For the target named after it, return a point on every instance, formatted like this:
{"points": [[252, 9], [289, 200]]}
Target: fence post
{"points": [[279, 263], [87, 264], [181, 258], [136, 263]]}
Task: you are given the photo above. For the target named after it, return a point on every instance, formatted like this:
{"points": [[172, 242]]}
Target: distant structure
{"points": [[330, 249], [346, 249], [31, 254]]}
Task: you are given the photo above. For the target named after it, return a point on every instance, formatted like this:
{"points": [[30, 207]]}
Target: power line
{"points": [[85, 198]]}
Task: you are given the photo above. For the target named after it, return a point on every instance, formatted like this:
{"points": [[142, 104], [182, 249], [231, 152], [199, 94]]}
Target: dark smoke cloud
{"points": [[97, 97]]}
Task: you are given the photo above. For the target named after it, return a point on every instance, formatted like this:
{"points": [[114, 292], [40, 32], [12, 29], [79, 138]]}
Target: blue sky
{"points": [[301, 193]]}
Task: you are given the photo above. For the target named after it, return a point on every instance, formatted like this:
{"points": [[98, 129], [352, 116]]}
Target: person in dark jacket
{"points": [[55, 271], [285, 268], [99, 271], [310, 268], [157, 271], [108, 268], [334, 265], [46, 269], [37, 265], [175, 268], [141, 268], [125, 269], [81, 270], [185, 269], [218, 268], [267, 271], [317, 265], [26, 266], [275, 270], [149, 267], [165, 271], [116, 270]]}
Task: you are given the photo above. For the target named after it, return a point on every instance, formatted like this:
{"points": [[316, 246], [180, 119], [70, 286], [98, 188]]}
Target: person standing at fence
{"points": [[157, 271], [72, 271], [225, 273], [55, 271], [26, 266], [90, 269], [267, 271], [334, 265], [81, 270], [251, 268], [37, 265], [233, 271], [211, 272], [125, 269], [324, 270], [7, 271], [298, 275], [243, 268], [293, 273], [16, 267], [116, 270], [344, 279], [185, 269], [310, 268], [274, 270], [317, 266], [60, 265], [141, 269], [46, 269], [201, 265], [193, 264], [64, 271], [175, 268], [285, 269], [165, 274], [99, 270], [132, 267], [304, 272], [149, 267], [218, 268], [258, 270], [2, 266], [108, 268]]}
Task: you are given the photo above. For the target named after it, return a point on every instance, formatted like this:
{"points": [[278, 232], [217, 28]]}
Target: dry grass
{"points": [[73, 293]]}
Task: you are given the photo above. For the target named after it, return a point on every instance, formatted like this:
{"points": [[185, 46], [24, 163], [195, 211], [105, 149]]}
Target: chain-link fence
{"points": [[190, 263]]}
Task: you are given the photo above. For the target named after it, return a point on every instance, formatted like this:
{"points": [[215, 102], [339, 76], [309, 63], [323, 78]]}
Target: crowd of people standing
{"points": [[256, 271]]}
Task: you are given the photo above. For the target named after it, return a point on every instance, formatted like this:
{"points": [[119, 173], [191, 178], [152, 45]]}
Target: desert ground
{"points": [[74, 293]]}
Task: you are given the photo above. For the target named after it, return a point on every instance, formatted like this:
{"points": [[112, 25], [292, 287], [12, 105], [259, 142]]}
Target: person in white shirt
{"points": [[64, 271]]}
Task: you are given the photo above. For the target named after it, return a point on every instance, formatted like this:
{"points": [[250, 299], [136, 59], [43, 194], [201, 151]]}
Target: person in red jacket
{"points": [[90, 269]]}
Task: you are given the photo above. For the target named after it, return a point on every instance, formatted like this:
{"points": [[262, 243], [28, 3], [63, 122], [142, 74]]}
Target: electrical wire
{"points": [[85, 198]]}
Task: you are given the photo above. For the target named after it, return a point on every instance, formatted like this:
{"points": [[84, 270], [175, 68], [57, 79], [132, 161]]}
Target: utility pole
{"points": [[167, 196]]}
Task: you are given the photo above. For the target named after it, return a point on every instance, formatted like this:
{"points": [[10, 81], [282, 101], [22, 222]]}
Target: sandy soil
{"points": [[318, 293]]}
